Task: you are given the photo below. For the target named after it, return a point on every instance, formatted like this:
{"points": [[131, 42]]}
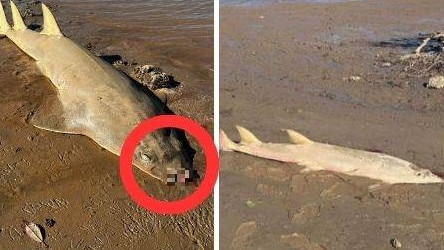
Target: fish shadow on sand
{"points": [[111, 59], [42, 230], [35, 27]]}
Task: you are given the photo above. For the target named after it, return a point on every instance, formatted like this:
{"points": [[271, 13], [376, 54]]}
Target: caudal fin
{"points": [[4, 25], [225, 143]]}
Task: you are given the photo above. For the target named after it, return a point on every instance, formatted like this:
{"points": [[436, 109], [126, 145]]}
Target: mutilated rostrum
{"points": [[162, 154]]}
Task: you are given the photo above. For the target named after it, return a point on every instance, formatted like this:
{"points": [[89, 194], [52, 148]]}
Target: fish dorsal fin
{"points": [[50, 26], [17, 18], [246, 136], [4, 25], [297, 138]]}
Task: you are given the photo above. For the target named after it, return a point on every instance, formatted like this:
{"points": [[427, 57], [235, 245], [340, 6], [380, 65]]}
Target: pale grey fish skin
{"points": [[320, 156], [96, 99], [93, 93]]}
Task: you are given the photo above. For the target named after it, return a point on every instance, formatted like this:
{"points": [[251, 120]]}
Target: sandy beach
{"points": [[67, 183], [292, 66]]}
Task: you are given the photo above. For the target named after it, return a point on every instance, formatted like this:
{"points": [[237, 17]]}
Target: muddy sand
{"points": [[290, 66], [67, 183]]}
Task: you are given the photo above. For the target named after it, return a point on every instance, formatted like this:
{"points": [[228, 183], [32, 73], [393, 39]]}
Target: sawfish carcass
{"points": [[315, 156], [96, 100]]}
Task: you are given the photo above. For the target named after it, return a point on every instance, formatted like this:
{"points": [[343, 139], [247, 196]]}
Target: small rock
{"points": [[251, 204], [435, 82], [118, 63], [386, 64], [395, 243], [261, 17], [352, 78]]}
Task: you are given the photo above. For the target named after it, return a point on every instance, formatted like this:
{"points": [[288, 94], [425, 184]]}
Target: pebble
{"points": [[386, 64], [435, 82], [395, 243], [352, 78], [251, 204]]}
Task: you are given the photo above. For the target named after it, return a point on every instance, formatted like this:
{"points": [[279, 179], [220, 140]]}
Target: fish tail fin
{"points": [[4, 25], [246, 136], [226, 144], [19, 24], [50, 26]]}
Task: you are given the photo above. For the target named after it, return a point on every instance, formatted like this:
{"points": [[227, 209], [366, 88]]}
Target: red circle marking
{"points": [[169, 207]]}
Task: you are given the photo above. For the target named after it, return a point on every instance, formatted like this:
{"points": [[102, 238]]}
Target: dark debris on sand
{"points": [[423, 62], [153, 77], [147, 75], [428, 58]]}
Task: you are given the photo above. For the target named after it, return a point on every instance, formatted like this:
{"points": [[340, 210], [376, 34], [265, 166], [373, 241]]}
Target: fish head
{"points": [[164, 155], [420, 175]]}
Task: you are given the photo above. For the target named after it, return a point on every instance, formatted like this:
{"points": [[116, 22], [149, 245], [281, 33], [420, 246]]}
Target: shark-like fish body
{"points": [[315, 156], [94, 99]]}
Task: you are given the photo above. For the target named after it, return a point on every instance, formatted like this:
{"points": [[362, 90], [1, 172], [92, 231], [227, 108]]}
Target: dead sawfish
{"points": [[96, 100], [315, 156]]}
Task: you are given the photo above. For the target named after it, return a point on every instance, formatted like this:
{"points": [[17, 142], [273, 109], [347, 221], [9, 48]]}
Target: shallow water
{"points": [[186, 18]]}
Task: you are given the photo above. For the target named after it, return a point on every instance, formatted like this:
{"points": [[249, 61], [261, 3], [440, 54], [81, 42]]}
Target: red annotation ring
{"points": [[169, 207]]}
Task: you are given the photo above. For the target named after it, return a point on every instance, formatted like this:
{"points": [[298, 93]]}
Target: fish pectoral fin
{"points": [[50, 26], [246, 136], [51, 116], [297, 138], [17, 18]]}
